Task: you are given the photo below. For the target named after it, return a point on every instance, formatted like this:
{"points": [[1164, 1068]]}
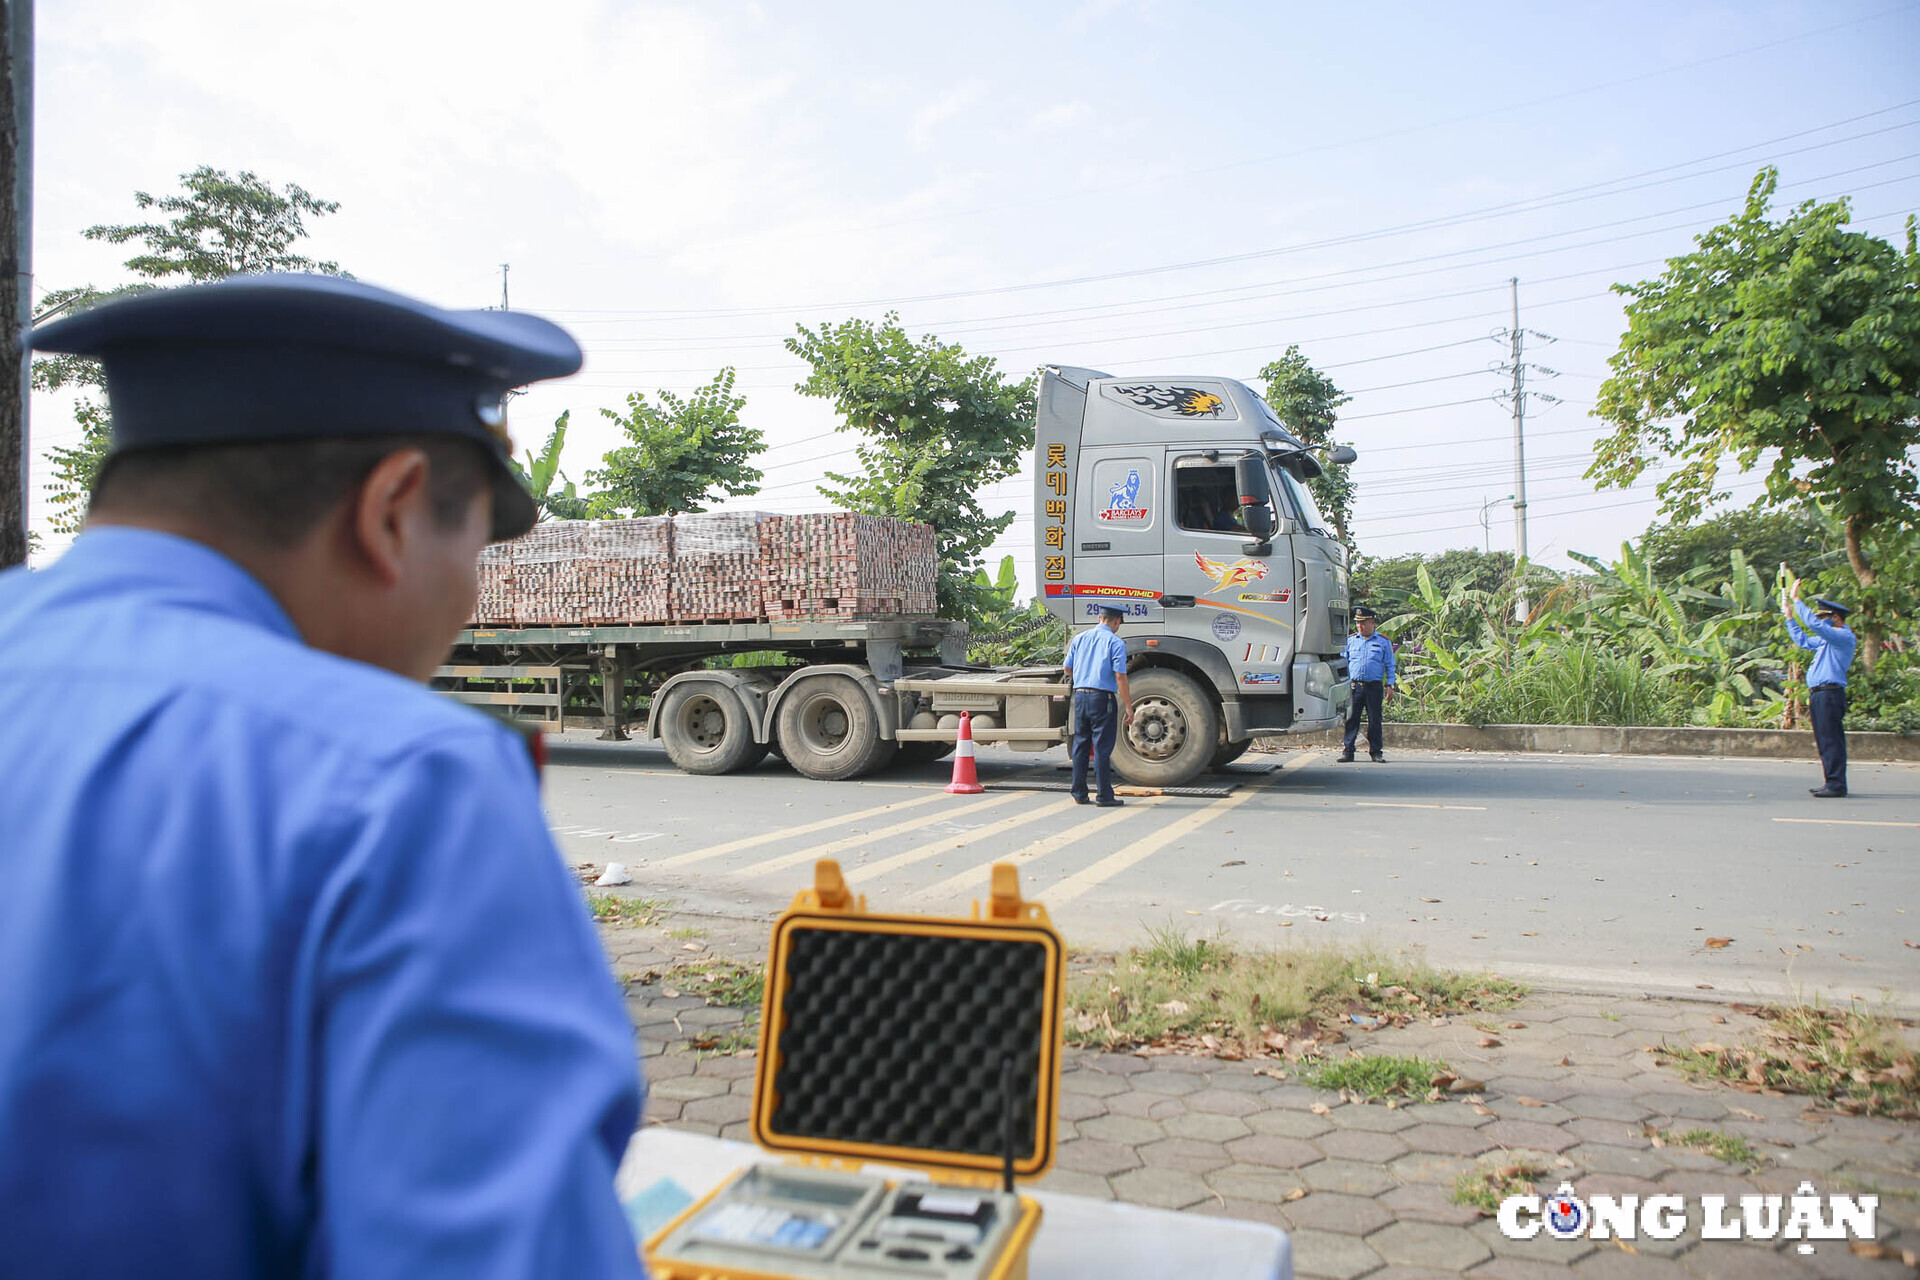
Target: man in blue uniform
{"points": [[1370, 668], [1096, 664], [296, 983], [1832, 644]]}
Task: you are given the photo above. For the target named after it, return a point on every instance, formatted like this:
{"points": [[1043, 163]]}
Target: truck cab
{"points": [[1183, 502]]}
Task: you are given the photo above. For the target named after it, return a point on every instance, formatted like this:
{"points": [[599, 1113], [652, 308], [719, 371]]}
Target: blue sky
{"points": [[681, 183]]}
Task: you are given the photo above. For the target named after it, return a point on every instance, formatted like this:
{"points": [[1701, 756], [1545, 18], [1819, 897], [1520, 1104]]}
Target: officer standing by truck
{"points": [[1832, 644], [1370, 668], [296, 981], [1096, 666]]}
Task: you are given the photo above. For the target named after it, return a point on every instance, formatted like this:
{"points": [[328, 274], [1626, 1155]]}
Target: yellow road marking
{"points": [[1145, 847], [947, 844], [970, 878], [1388, 804], [769, 837], [786, 860], [1848, 822]]}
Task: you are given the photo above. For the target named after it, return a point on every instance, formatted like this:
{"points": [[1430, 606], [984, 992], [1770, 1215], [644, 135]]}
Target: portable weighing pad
{"points": [[928, 1044]]}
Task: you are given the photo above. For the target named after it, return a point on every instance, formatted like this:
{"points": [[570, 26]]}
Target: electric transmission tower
{"points": [[1517, 367]]}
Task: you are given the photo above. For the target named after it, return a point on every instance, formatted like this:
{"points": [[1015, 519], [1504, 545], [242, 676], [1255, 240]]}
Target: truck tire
{"points": [[1175, 728], [706, 730], [1228, 752], [829, 730]]}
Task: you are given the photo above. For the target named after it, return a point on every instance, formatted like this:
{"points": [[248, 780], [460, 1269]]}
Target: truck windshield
{"points": [[1302, 499]]}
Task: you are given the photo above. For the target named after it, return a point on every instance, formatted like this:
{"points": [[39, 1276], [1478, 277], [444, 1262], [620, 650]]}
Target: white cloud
{"points": [[1063, 115]]}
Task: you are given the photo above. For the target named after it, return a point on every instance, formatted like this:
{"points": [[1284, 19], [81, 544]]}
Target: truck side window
{"points": [[1205, 499]]}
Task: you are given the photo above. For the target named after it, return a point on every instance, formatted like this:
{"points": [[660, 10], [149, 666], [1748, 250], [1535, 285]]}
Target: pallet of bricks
{"points": [[839, 565], [579, 572], [716, 567]]}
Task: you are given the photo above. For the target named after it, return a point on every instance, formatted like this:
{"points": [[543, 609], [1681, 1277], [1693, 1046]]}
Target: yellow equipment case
{"points": [[917, 1042]]}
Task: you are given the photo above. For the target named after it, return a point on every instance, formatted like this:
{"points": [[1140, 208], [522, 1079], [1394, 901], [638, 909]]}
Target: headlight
{"points": [[1319, 682]]}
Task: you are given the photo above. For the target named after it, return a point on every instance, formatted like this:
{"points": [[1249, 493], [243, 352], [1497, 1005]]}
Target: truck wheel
{"points": [[1175, 727], [1228, 752], [829, 731], [706, 730]]}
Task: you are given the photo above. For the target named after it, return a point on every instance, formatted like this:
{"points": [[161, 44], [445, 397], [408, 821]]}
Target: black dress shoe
{"points": [[1081, 800], [1114, 803], [1345, 757], [1828, 793], [1378, 759]]}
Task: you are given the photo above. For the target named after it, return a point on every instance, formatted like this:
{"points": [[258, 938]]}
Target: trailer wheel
{"points": [[829, 731], [1228, 752], [706, 730], [1175, 728]]}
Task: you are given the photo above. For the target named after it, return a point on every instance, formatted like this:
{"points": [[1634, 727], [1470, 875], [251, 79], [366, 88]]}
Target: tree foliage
{"points": [[1009, 634], [222, 225], [940, 425], [1307, 401], [1792, 344], [684, 454], [1797, 537], [541, 470]]}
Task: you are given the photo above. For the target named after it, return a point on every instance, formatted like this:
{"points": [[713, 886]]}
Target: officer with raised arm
{"points": [[1832, 644], [296, 983]]}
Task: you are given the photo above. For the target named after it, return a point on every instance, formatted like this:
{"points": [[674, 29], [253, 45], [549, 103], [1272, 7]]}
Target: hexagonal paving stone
{"points": [[1348, 1144], [1171, 1082], [730, 1066], [1250, 1210], [738, 1131], [1460, 1115], [722, 1110], [1224, 1102], [1427, 1167], [1447, 1140], [1085, 1155], [1126, 1129], [1148, 1106], [1541, 1248], [687, 1088], [1348, 1175], [1189, 1154], [1517, 1269], [1337, 1257], [1602, 1028], [1429, 1244], [1377, 1119], [1688, 1106], [1205, 1127], [1612, 1133], [1160, 1187], [1756, 1261], [1397, 1272], [1092, 1082], [1278, 1153], [1528, 1106], [1081, 1106], [1603, 1158], [1419, 1202], [1541, 1088], [1289, 1124], [1074, 1183], [1612, 1264], [1251, 1182], [1334, 1211], [1524, 1133]]}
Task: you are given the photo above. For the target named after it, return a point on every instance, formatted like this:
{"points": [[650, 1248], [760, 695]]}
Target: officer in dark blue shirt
{"points": [[295, 980], [1370, 668]]}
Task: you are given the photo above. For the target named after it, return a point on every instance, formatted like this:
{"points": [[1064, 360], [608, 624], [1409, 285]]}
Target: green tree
{"points": [[1794, 344], [683, 451], [1795, 537], [1308, 402], [222, 225], [940, 424], [1387, 580], [540, 471]]}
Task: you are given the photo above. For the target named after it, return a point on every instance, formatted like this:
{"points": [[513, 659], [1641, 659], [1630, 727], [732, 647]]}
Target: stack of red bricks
{"points": [[839, 565], [579, 572], [716, 567]]}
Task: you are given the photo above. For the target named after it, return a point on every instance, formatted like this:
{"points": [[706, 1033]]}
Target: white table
{"points": [[1080, 1239]]}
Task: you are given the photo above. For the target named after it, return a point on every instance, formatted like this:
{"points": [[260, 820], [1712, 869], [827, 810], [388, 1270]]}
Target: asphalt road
{"points": [[1589, 872]]}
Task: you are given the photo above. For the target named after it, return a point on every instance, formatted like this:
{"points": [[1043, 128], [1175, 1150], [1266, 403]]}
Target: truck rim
{"points": [[703, 723], [824, 725], [1159, 729]]}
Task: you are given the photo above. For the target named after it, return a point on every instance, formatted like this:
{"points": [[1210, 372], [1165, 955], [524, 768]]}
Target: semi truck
{"points": [[1183, 502]]}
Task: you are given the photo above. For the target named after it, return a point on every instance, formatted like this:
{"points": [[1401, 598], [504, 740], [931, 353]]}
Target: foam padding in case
{"points": [[892, 1038]]}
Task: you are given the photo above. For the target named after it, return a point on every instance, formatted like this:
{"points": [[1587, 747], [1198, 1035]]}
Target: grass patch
{"points": [[612, 908], [1375, 1075], [723, 982], [724, 1044], [686, 933], [1729, 1148], [1850, 1059], [1485, 1187], [1207, 995]]}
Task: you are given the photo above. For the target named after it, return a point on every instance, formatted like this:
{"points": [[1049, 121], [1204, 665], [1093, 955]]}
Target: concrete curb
{"points": [[1751, 744]]}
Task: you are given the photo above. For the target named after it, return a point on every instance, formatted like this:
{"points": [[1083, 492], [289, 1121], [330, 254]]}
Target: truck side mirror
{"points": [[1342, 455], [1256, 496]]}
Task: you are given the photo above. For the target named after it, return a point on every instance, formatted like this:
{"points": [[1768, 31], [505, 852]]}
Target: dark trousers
{"points": [[1368, 696], [1830, 733], [1096, 719]]}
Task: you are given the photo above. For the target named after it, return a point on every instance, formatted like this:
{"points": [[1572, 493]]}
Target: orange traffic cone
{"points": [[966, 782]]}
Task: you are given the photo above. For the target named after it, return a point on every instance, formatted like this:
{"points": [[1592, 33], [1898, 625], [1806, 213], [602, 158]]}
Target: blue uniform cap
{"points": [[1112, 611], [1363, 612], [1823, 605], [267, 358]]}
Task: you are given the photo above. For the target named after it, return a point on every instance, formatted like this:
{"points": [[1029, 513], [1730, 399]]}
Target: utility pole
{"points": [[16, 269], [503, 287], [1519, 454]]}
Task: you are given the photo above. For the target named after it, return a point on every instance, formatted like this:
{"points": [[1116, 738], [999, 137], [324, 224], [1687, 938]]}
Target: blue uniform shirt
{"points": [[295, 982], [1095, 657], [1832, 646], [1369, 657]]}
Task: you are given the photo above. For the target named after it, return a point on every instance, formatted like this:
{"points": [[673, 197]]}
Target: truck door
{"points": [[1116, 532], [1243, 603]]}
